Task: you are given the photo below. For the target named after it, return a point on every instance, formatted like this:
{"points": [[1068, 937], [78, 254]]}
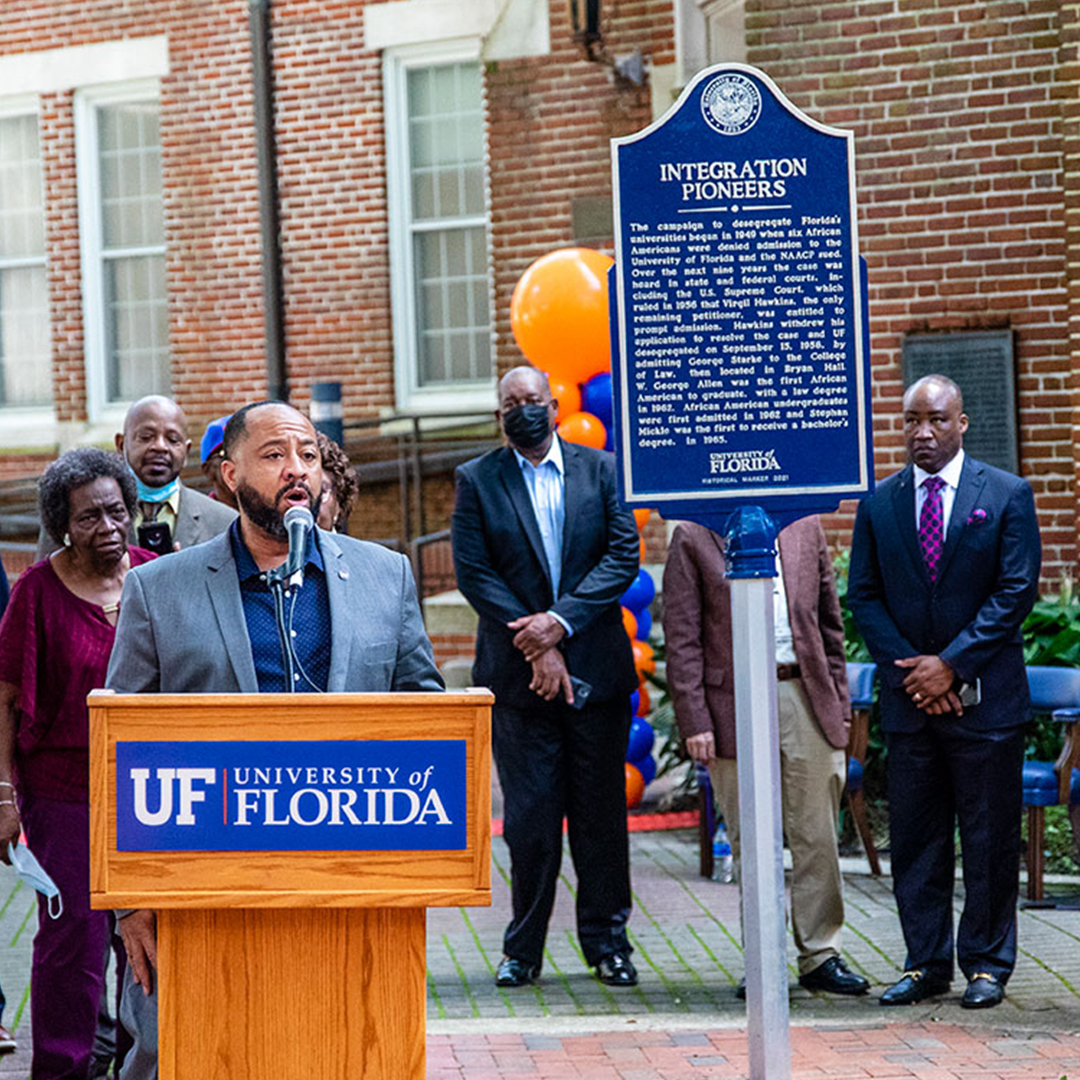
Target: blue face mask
{"points": [[32, 872], [153, 494]]}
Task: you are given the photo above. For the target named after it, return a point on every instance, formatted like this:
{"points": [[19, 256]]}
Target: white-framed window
{"points": [[25, 353], [725, 30], [441, 285], [122, 239]]}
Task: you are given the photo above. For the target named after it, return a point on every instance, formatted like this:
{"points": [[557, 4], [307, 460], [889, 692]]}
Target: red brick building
{"points": [[429, 150]]}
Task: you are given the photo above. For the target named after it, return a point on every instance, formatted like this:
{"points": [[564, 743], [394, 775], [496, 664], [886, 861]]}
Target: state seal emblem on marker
{"points": [[731, 104]]}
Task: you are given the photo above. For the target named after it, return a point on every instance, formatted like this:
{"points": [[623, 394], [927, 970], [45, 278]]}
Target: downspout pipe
{"points": [[262, 74]]}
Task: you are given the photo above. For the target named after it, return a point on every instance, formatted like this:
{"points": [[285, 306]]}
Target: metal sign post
{"points": [[741, 384], [751, 566]]}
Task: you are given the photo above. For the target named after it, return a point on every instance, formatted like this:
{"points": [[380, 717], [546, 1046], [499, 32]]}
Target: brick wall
{"points": [[550, 119], [965, 182], [1068, 94], [956, 110], [332, 177], [209, 193]]}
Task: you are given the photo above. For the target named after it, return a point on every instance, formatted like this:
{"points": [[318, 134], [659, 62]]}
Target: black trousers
{"points": [[555, 761], [941, 777]]}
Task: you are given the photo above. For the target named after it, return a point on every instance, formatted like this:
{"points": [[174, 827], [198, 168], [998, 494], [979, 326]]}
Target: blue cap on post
{"points": [[750, 543]]}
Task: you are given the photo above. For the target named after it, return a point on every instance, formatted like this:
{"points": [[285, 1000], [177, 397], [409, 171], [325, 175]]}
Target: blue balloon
{"points": [[635, 704], [596, 398], [640, 594], [647, 768], [641, 740], [644, 624]]}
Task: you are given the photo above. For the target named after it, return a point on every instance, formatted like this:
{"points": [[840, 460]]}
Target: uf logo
{"points": [[185, 779]]}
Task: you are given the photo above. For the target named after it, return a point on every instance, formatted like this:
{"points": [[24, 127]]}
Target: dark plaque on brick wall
{"points": [[982, 364]]}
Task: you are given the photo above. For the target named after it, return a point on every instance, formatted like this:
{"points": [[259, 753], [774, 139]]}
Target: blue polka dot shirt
{"points": [[307, 611]]}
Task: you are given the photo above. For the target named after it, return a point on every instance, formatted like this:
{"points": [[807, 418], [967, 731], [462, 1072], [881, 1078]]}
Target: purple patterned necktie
{"points": [[931, 525]]}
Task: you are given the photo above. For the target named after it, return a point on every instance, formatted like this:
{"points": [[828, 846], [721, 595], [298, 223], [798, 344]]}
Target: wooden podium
{"points": [[305, 964]]}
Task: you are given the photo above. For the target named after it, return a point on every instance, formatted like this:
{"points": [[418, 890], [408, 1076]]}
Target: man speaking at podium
{"points": [[204, 622]]}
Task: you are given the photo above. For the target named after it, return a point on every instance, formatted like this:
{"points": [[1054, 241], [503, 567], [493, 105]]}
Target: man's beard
{"points": [[265, 516]]}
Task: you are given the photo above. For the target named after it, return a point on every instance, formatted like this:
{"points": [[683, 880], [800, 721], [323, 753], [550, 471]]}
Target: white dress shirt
{"points": [[546, 485], [951, 475], [785, 647]]}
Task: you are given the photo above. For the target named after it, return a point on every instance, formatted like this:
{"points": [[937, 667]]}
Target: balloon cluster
{"points": [[559, 315], [640, 766]]}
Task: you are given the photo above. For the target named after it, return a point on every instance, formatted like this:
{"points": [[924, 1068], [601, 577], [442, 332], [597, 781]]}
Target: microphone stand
{"points": [[277, 581]]}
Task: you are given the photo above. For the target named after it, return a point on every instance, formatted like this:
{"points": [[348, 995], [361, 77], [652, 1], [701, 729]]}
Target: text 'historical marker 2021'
{"points": [[738, 324]]}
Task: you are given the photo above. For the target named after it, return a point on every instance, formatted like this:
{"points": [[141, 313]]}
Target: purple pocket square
{"points": [[977, 518]]}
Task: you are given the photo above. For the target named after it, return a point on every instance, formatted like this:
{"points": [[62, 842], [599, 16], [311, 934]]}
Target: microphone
{"points": [[298, 523]]}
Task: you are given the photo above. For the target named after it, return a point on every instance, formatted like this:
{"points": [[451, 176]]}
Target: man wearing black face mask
{"points": [[543, 550]]}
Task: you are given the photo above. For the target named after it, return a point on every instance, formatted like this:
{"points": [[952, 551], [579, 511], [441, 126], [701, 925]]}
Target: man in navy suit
{"points": [[944, 569], [543, 550]]}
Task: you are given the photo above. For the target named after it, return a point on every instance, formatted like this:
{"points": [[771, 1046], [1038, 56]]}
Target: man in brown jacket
{"points": [[814, 711]]}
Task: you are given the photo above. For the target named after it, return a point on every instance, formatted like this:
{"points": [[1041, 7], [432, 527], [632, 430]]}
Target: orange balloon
{"points": [[559, 314], [629, 621], [568, 396], [644, 658], [641, 550], [583, 428], [642, 518], [644, 702], [635, 785]]}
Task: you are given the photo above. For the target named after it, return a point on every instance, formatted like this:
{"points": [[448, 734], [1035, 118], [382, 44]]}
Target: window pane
{"points": [[444, 105], [423, 185], [129, 148], [25, 361], [420, 92], [446, 141], [137, 327], [432, 358], [25, 368], [452, 317], [22, 223]]}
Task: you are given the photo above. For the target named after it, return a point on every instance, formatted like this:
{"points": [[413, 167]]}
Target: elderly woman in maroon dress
{"points": [[55, 640]]}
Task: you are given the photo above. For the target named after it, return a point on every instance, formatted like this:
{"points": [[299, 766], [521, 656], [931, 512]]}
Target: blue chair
{"points": [[1055, 690], [861, 688], [861, 685]]}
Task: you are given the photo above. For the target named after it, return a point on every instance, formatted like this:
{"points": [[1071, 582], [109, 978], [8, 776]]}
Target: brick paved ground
{"points": [[684, 1020], [685, 931], [927, 1051]]}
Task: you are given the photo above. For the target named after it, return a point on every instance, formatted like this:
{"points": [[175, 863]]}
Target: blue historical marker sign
{"points": [[738, 325], [364, 795]]}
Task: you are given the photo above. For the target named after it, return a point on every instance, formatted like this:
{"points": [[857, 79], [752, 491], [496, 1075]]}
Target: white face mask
{"points": [[31, 871]]}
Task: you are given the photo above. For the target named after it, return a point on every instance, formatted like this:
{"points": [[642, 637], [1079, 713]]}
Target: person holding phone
{"points": [[168, 514], [543, 549]]}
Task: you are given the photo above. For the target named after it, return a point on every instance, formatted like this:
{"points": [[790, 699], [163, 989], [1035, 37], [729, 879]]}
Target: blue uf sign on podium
{"points": [[738, 326], [375, 795]]}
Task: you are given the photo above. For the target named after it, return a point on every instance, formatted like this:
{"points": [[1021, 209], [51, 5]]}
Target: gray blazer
{"points": [[182, 630], [199, 519]]}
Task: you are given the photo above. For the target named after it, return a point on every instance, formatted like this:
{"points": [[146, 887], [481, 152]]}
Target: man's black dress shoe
{"points": [[834, 977], [913, 987], [514, 972], [616, 970], [983, 992]]}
